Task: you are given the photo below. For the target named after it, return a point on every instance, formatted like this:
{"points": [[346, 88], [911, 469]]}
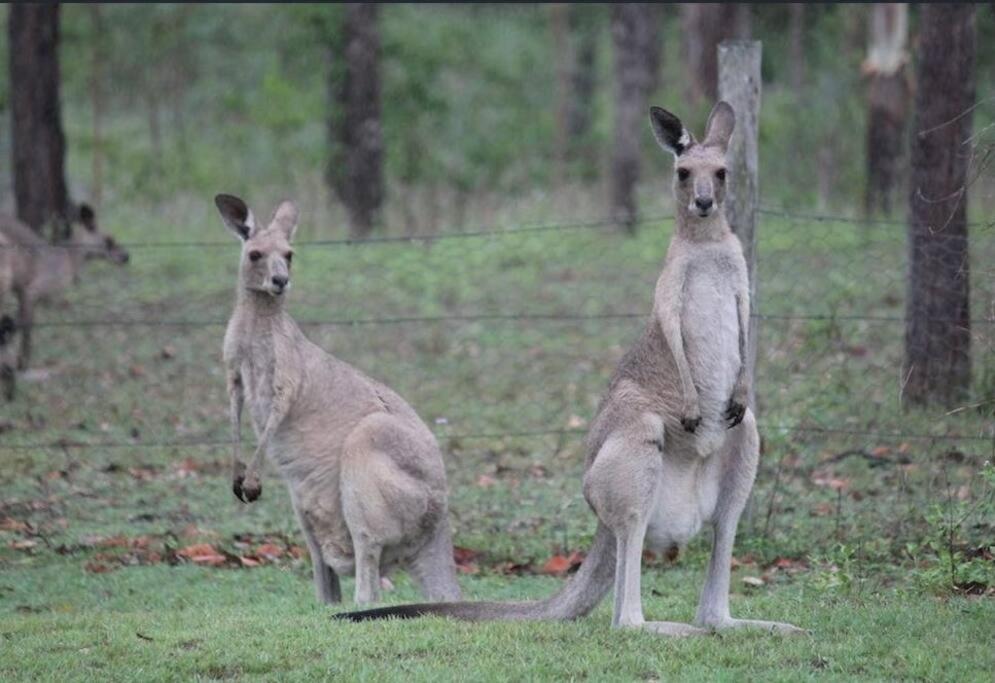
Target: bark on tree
{"points": [[937, 366], [559, 27], [39, 145], [705, 25], [632, 36], [888, 98], [796, 45], [97, 102], [356, 165], [573, 29], [583, 30]]}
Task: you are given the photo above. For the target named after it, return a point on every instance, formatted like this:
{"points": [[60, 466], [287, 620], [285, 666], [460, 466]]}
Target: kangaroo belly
{"points": [[687, 498]]}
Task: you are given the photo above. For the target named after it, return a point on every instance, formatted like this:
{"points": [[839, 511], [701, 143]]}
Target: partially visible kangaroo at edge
{"points": [[673, 445], [41, 269], [365, 474]]}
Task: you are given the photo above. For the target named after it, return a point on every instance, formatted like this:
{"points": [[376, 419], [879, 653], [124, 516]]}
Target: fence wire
{"points": [[854, 274]]}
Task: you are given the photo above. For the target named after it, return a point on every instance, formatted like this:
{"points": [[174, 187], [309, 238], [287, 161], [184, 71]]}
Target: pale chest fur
{"points": [[715, 279]]}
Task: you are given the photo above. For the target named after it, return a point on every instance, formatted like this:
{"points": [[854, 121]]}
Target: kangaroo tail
{"points": [[581, 594]]}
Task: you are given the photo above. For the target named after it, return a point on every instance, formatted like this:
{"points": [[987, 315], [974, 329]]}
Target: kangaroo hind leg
{"points": [[622, 485], [739, 456]]}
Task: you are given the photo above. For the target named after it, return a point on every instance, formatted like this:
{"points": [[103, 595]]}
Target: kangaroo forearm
{"points": [[236, 429], [272, 424], [743, 309], [672, 334], [236, 400]]}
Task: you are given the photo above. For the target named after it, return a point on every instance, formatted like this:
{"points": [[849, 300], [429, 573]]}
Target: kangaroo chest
{"points": [[710, 324]]}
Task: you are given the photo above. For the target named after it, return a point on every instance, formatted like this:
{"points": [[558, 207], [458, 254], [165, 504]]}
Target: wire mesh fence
{"points": [[830, 308], [504, 339]]}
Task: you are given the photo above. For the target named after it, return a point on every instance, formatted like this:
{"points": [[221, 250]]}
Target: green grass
{"points": [[880, 544], [168, 623]]}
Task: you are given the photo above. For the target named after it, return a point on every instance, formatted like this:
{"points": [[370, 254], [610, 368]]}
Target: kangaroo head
{"points": [[266, 252], [699, 167], [86, 235]]}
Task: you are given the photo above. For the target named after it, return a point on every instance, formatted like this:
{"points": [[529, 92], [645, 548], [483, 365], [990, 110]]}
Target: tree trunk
{"points": [[937, 334], [583, 80], [796, 45], [888, 96], [356, 167], [39, 146], [705, 25], [97, 102], [559, 27], [632, 35]]}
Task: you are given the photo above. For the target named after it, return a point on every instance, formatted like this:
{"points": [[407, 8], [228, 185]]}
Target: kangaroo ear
{"points": [[285, 219], [88, 217], [670, 132], [721, 123], [236, 215]]}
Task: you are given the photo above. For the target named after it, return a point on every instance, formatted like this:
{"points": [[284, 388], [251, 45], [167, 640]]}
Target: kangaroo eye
{"points": [[289, 256], [682, 174], [255, 255], [721, 174]]}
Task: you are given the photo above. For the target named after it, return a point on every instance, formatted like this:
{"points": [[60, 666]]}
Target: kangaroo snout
{"points": [[280, 281], [704, 204]]}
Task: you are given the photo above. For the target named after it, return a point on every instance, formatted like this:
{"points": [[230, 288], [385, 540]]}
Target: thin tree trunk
{"points": [[583, 80], [97, 103], [705, 25], [937, 365], [358, 180], [632, 34], [888, 96], [39, 145], [796, 45], [563, 58]]}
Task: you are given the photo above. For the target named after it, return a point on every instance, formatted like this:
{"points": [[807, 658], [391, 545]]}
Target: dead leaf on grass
{"points": [[202, 553]]}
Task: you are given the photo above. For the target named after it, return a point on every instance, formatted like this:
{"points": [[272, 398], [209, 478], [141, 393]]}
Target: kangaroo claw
{"points": [[735, 412]]}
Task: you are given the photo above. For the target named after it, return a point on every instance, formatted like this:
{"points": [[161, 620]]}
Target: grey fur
{"points": [[365, 474], [672, 447], [40, 270]]}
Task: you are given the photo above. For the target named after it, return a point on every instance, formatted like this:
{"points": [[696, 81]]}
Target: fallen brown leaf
{"points": [[269, 551], [560, 564], [202, 553], [11, 524], [95, 567]]}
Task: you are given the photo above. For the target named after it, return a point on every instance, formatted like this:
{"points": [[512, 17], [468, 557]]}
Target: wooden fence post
{"points": [[739, 85]]}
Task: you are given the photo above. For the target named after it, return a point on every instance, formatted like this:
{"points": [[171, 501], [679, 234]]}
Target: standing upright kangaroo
{"points": [[673, 445], [41, 269], [365, 474]]}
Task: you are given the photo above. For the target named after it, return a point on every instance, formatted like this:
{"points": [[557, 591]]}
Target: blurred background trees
{"points": [[477, 102], [38, 143]]}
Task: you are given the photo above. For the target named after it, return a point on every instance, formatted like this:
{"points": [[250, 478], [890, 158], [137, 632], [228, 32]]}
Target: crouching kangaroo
{"points": [[673, 446], [365, 474]]}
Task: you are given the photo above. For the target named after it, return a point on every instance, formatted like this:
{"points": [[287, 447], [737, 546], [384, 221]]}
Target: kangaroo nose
{"points": [[703, 203], [280, 280]]}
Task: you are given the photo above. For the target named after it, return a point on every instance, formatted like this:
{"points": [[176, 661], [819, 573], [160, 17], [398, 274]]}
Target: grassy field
{"points": [[129, 558]]}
